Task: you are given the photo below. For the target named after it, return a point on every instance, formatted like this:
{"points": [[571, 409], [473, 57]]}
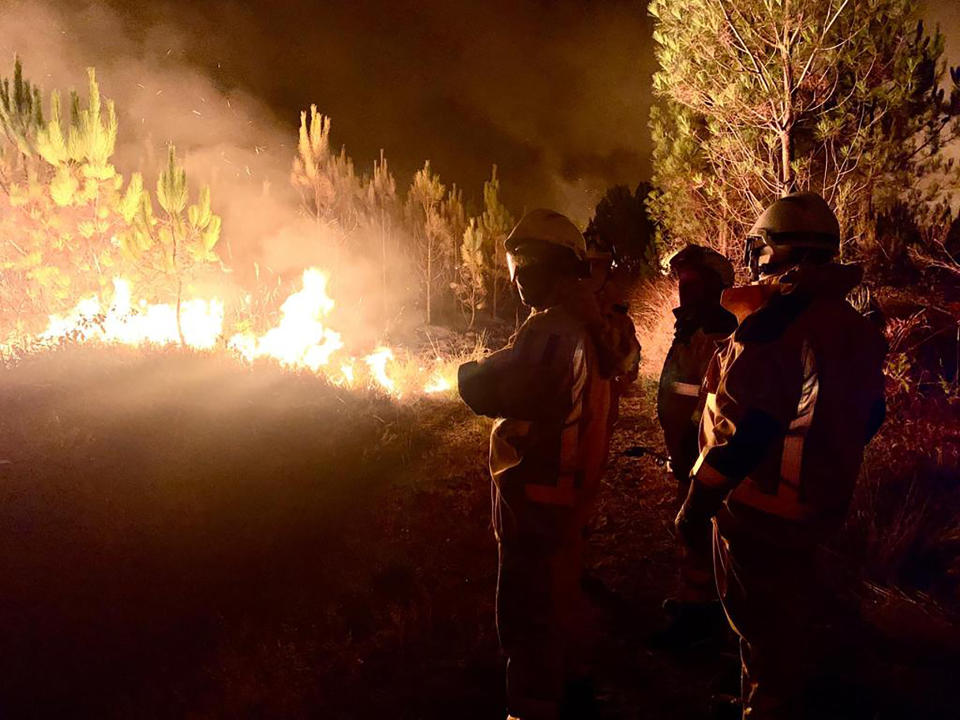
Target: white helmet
{"points": [[539, 236]]}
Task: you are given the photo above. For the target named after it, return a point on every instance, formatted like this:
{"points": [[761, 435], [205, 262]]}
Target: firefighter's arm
{"points": [[524, 380], [747, 414]]}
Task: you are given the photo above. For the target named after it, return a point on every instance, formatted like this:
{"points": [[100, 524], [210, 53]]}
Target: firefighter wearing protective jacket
{"points": [[620, 353], [793, 398], [701, 324], [547, 451]]}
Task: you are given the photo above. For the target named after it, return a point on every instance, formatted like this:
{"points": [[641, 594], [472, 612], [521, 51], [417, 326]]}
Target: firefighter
{"points": [[547, 451], [793, 397], [701, 324], [620, 353]]}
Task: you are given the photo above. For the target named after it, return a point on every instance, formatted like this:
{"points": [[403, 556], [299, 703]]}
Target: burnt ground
{"points": [[182, 537]]}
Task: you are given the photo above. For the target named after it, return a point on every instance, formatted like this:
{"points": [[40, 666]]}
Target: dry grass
{"points": [[652, 303], [904, 525]]}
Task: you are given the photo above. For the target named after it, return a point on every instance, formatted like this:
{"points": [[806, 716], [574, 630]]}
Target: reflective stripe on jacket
{"points": [[550, 441], [678, 397]]}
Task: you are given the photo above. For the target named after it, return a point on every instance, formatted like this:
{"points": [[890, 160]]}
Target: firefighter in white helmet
{"points": [[701, 325], [548, 448], [793, 397]]}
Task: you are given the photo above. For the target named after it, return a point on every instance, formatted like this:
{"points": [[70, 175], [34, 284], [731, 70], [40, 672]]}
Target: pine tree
{"points": [[21, 116], [495, 224], [471, 288], [64, 195], [455, 218], [89, 138], [621, 226], [312, 161], [328, 182], [70, 223], [425, 211], [759, 99], [178, 241], [382, 203]]}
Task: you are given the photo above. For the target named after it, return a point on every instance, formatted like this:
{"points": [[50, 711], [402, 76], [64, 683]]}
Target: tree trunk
{"points": [[383, 266], [787, 178], [176, 269], [473, 306], [429, 275], [179, 302], [494, 276]]}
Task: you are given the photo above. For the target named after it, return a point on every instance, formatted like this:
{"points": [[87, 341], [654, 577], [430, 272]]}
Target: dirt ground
{"points": [[183, 538]]}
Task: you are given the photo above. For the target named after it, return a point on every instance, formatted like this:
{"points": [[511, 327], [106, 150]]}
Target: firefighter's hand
{"points": [[694, 528]]}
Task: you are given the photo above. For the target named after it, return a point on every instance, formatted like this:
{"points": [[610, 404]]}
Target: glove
{"points": [[694, 530], [693, 521]]}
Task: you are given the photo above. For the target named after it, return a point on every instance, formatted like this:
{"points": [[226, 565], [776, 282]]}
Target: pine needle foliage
{"points": [[759, 98]]}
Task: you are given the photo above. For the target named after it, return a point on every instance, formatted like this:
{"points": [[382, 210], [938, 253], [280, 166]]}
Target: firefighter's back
{"points": [[830, 361]]}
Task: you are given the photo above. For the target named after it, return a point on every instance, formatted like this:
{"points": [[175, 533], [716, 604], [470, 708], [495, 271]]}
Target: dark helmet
{"points": [[702, 258], [796, 227]]}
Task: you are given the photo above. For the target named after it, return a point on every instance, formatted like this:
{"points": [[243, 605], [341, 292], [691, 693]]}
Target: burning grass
{"points": [[652, 304], [301, 339]]}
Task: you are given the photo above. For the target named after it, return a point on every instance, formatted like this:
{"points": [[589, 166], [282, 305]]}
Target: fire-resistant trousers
{"points": [[540, 618], [775, 603], [697, 584]]}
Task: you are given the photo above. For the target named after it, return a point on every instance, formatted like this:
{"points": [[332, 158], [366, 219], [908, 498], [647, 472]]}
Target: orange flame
{"points": [[201, 322], [300, 340]]}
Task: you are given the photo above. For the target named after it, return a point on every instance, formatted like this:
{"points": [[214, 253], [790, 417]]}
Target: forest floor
{"points": [[182, 537]]}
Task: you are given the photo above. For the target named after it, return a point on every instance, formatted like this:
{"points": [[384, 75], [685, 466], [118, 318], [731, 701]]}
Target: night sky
{"points": [[556, 93]]}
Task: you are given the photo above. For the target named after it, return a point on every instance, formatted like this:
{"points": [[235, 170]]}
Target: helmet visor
{"points": [[514, 262], [560, 259], [752, 249]]}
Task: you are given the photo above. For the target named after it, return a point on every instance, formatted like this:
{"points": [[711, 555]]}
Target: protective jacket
{"points": [[549, 444], [618, 346], [792, 399], [697, 334]]}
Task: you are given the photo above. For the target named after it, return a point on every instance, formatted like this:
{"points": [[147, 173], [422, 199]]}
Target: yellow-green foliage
{"points": [[482, 259], [332, 192], [90, 136], [173, 243], [21, 112], [471, 289], [70, 223]]}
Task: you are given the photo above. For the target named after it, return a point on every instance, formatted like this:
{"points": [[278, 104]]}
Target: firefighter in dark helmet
{"points": [[793, 397], [701, 324], [548, 448]]}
